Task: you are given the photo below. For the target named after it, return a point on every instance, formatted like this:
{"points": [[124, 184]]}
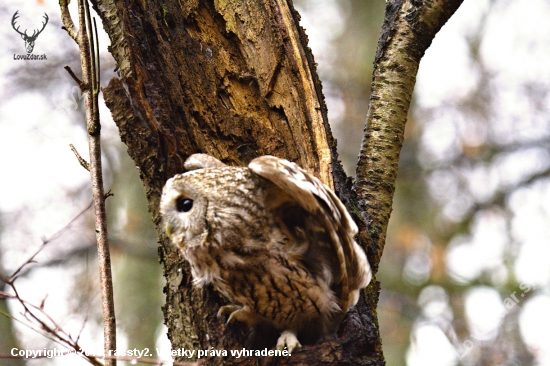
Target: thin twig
{"points": [[82, 328], [35, 316], [91, 55], [53, 331], [98, 67], [81, 160], [75, 78], [90, 90], [68, 24], [60, 232]]}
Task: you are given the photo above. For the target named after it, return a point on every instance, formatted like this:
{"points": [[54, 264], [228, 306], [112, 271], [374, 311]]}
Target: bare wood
{"points": [[408, 30], [275, 85]]}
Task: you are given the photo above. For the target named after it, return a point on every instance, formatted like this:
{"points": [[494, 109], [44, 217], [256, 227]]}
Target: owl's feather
{"points": [[319, 200], [273, 239]]}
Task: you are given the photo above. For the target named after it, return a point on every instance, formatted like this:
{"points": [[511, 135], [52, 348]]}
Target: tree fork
{"points": [[235, 79]]}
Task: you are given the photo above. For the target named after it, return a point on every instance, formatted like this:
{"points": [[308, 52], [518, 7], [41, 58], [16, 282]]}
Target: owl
{"points": [[272, 239]]}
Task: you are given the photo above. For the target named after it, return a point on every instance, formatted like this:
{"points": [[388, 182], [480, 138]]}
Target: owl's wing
{"points": [[316, 198]]}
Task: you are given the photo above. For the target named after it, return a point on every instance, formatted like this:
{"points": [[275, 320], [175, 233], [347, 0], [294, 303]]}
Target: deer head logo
{"points": [[29, 40]]}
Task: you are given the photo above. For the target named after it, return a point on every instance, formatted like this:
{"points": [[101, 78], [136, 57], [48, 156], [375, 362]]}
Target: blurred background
{"points": [[465, 273]]}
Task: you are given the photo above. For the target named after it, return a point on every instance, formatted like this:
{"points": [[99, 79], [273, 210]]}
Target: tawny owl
{"points": [[273, 239]]}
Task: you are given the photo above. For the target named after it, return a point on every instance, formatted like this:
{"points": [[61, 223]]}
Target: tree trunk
{"points": [[235, 79]]}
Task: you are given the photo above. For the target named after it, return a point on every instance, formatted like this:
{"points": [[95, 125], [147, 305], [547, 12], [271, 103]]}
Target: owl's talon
{"points": [[288, 339], [227, 310], [237, 314]]}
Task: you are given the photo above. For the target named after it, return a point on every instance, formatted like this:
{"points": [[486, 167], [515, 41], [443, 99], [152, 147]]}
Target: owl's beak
{"points": [[168, 229]]}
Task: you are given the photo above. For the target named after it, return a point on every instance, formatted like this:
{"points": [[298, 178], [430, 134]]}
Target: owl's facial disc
{"points": [[182, 204], [183, 209], [168, 228]]}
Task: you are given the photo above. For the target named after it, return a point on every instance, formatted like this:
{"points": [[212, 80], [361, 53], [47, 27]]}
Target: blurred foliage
{"points": [[8, 339], [137, 273]]}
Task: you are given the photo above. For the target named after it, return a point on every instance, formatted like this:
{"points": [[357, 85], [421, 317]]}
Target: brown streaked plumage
{"points": [[273, 239]]}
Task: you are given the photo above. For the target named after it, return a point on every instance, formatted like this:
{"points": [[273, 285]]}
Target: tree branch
{"points": [[408, 29], [80, 159], [90, 91], [68, 24]]}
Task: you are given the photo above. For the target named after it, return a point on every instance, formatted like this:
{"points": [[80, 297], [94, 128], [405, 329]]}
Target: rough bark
{"points": [[236, 80], [408, 30]]}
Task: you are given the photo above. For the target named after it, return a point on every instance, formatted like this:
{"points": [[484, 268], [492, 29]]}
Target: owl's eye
{"points": [[184, 204]]}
